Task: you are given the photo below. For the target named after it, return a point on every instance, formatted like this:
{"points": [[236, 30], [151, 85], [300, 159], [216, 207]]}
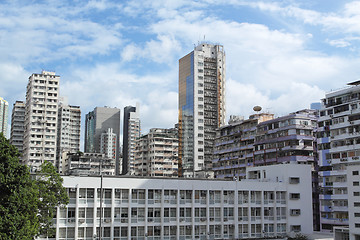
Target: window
{"points": [[295, 212], [355, 173], [356, 204], [356, 214], [294, 196], [356, 194], [295, 228], [294, 180], [356, 183], [357, 225]]}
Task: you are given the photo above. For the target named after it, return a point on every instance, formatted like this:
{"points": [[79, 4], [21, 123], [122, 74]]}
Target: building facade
{"points": [[4, 111], [234, 146], [17, 125], [89, 164], [131, 132], [286, 139], [272, 201], [68, 137], [201, 107], [98, 122], [156, 153], [108, 143], [339, 147], [41, 115]]}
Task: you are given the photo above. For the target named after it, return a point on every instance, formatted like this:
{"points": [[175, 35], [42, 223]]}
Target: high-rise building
{"points": [[4, 111], [97, 123], [41, 115], [108, 143], [234, 146], [17, 125], [131, 132], [339, 147], [156, 153], [68, 137], [201, 107]]}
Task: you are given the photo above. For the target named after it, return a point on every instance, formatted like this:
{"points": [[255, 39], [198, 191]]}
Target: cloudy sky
{"points": [[282, 55]]}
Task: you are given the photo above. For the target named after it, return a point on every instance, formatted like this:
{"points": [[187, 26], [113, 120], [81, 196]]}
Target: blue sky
{"points": [[281, 55]]}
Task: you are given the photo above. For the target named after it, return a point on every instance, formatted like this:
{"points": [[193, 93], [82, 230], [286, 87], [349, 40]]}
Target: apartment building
{"points": [[131, 132], [234, 146], [201, 108], [4, 111], [156, 153], [68, 137], [271, 201], [97, 122], [286, 139], [41, 116], [88, 164], [339, 147], [108, 143], [17, 125]]}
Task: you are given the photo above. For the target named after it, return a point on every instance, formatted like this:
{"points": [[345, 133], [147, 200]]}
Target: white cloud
{"points": [[45, 37], [241, 98]]}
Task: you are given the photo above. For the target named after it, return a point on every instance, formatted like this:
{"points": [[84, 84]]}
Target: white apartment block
{"points": [[353, 180], [339, 147], [41, 115], [68, 137], [156, 153], [4, 111], [108, 142], [201, 107], [17, 125], [130, 135], [272, 201]]}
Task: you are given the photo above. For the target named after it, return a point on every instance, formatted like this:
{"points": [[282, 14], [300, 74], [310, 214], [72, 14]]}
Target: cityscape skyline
{"points": [[132, 58]]}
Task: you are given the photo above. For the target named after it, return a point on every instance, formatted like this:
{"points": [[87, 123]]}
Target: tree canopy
{"points": [[27, 204]]}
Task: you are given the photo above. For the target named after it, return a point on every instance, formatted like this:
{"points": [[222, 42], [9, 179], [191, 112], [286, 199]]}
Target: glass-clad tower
{"points": [[201, 107]]}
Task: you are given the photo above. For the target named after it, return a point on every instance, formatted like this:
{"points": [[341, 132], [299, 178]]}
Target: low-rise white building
{"points": [[272, 201]]}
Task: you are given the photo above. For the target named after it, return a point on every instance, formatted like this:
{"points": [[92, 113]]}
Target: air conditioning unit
{"points": [[71, 220], [81, 220], [107, 220]]}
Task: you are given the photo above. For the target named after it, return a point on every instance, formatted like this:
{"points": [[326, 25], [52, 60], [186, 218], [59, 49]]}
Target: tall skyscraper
{"points": [[17, 125], [98, 122], [68, 137], [201, 107], [4, 109], [130, 135], [41, 115]]}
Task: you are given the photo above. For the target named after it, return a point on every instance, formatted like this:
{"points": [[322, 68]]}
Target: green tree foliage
{"points": [[51, 195], [27, 205], [18, 196]]}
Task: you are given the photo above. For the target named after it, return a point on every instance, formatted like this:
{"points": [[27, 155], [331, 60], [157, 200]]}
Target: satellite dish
{"points": [[257, 108]]}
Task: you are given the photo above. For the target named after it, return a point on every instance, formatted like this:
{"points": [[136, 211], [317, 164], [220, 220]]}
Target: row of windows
{"points": [[216, 231]]}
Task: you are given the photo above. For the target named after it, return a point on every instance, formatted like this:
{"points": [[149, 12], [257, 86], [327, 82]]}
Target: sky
{"points": [[281, 55]]}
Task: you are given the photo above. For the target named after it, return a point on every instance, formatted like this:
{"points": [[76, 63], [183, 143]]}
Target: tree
{"points": [[51, 194], [26, 204]]}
